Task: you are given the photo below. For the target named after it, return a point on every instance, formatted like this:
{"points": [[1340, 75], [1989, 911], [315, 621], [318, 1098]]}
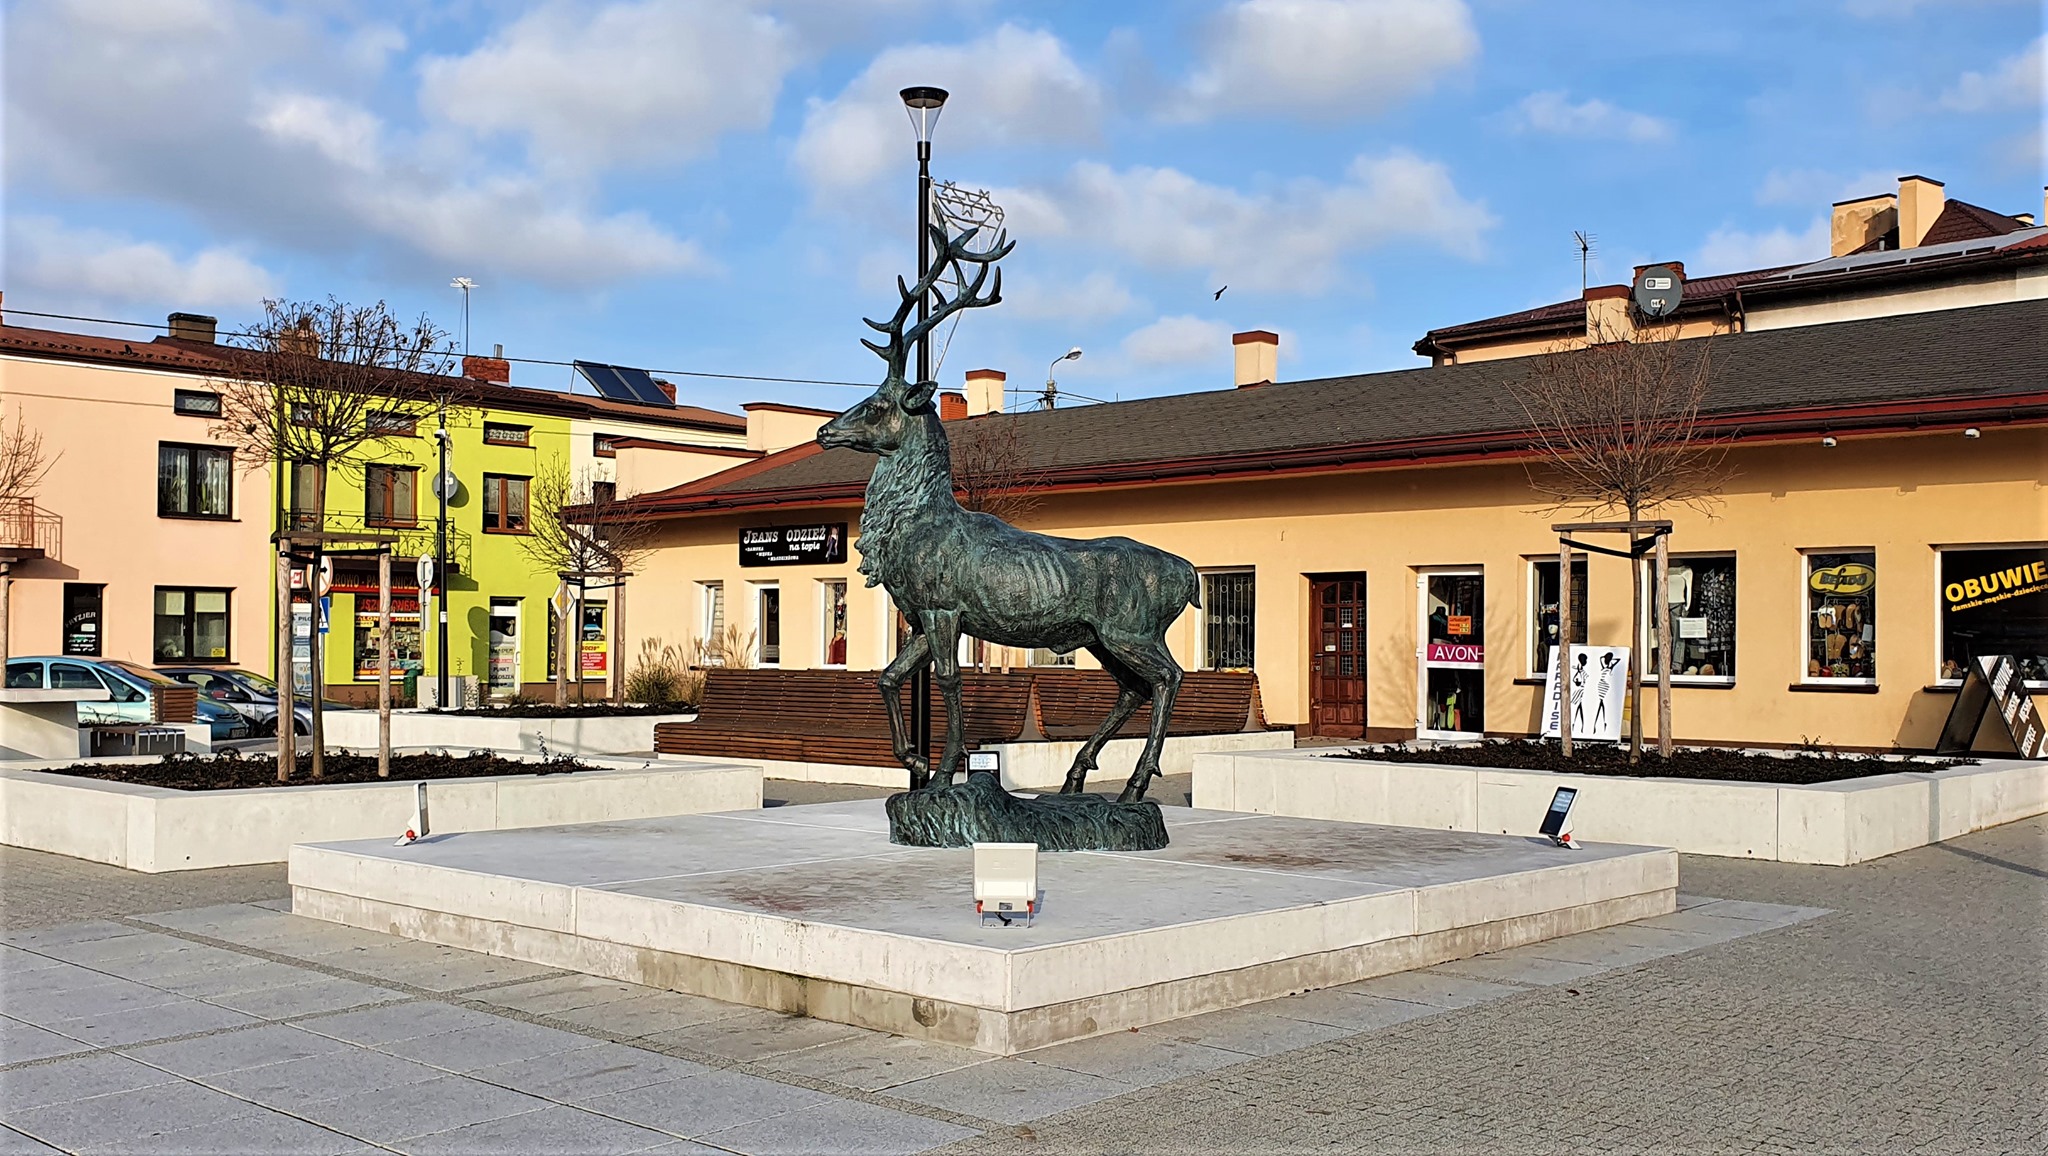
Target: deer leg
{"points": [[1132, 691], [1151, 661], [914, 654], [942, 632]]}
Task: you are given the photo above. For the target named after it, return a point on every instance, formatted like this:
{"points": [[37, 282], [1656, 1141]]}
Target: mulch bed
{"points": [[550, 710], [231, 770], [1794, 767]]}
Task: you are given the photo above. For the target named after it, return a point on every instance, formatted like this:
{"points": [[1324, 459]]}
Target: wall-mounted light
{"points": [[1973, 432], [1828, 442]]}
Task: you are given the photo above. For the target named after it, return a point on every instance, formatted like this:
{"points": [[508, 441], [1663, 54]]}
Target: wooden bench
{"points": [[837, 716]]}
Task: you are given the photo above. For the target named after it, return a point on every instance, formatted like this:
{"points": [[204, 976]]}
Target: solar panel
{"points": [[623, 383]]}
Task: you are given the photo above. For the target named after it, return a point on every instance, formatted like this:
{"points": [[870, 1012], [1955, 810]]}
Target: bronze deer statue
{"points": [[951, 571]]}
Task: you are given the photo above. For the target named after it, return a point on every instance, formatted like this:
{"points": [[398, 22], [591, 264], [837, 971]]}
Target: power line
{"points": [[520, 360]]}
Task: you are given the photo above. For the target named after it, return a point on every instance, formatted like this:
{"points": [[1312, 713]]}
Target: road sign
{"points": [[326, 607], [564, 599], [1658, 290], [326, 580]]}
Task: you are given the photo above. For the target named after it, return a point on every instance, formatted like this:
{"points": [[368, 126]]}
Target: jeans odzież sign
{"points": [[816, 545]]}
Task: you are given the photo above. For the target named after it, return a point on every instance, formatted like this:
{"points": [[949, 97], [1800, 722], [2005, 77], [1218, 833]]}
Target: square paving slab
{"points": [[812, 911]]}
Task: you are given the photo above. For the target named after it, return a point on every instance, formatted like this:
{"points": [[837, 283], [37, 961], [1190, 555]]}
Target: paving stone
{"points": [[1703, 921], [647, 1015], [317, 993], [1134, 1058], [122, 1116], [142, 1024], [843, 1127], [1434, 989], [552, 1131], [1518, 965], [382, 1025], [13, 1143], [233, 1051], [704, 1104], [269, 1133], [1775, 914], [20, 1043], [875, 1061], [1612, 947], [55, 977], [230, 922], [756, 1034], [248, 975], [42, 1085], [391, 1114], [188, 960], [564, 993], [429, 966], [14, 961], [119, 949], [1248, 1030], [89, 993], [38, 938], [1343, 1009], [1009, 1091], [597, 1070], [322, 1077], [481, 1047]]}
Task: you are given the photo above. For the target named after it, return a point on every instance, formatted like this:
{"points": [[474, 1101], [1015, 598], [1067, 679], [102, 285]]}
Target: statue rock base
{"points": [[981, 811]]}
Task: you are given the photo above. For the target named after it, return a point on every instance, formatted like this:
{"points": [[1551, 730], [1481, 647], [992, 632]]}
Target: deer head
{"points": [[880, 423]]}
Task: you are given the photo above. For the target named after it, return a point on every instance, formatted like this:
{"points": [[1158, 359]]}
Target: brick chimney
{"points": [[952, 406], [667, 388], [194, 327], [984, 391], [492, 369], [1854, 224], [1607, 315], [1920, 202], [1258, 356]]}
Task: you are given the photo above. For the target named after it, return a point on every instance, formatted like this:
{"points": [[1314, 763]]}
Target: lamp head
{"points": [[923, 102], [1073, 354]]}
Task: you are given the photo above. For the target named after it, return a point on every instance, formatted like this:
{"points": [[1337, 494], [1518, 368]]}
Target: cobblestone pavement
{"points": [[1908, 1016]]}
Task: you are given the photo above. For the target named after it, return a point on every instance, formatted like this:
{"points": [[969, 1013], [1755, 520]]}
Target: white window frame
{"points": [[759, 592], [1533, 608], [825, 621], [1646, 664], [1806, 555], [710, 625], [1202, 577], [1936, 595]]}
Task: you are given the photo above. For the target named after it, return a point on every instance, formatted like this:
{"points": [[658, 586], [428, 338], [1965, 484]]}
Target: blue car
{"points": [[128, 685]]}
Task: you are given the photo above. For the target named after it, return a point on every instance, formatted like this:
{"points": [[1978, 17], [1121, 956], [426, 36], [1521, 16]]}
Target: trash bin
{"points": [[412, 687]]}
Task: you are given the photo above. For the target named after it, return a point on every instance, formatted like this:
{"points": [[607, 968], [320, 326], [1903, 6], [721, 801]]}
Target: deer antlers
{"points": [[953, 253]]}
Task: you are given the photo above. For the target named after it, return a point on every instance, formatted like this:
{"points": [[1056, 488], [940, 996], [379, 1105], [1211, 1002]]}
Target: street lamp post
{"points": [[441, 566], [923, 103], [1052, 388]]}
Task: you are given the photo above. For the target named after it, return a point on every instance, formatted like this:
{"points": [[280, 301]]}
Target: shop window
{"points": [[588, 651], [194, 482], [504, 644], [82, 601], [768, 624], [504, 504], [1994, 600], [1228, 619], [497, 433], [1545, 623], [1701, 591], [1841, 617], [407, 657], [191, 624], [832, 601], [388, 495]]}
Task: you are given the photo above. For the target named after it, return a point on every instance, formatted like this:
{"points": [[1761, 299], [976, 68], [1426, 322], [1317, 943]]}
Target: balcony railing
{"points": [[27, 531], [413, 539]]}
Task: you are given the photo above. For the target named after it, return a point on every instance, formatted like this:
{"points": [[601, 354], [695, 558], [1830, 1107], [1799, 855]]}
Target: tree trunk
{"points": [[562, 611], [6, 594], [1663, 648], [1564, 647], [287, 696], [1635, 657], [384, 663], [316, 646], [617, 672]]}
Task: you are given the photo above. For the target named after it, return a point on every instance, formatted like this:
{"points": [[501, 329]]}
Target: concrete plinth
{"points": [[810, 910]]}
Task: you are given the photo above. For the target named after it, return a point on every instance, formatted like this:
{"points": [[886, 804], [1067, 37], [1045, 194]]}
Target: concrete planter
{"points": [[1830, 823], [1036, 766], [156, 829], [414, 729]]}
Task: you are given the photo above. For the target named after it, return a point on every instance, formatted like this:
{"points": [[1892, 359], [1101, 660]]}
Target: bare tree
{"points": [[581, 528], [1616, 428], [316, 387], [23, 466], [992, 470]]}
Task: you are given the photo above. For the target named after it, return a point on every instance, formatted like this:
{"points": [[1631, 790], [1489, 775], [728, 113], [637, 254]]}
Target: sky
{"points": [[729, 187]]}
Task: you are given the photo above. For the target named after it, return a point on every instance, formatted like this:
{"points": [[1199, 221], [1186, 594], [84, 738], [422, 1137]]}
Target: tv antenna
{"points": [[1586, 253], [465, 284]]}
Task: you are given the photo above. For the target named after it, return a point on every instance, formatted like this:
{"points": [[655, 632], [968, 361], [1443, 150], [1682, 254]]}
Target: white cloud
{"points": [[1553, 112], [343, 134], [1814, 187], [1325, 59], [1097, 295], [627, 84], [1012, 86], [1179, 340], [2015, 83], [1295, 237], [46, 255], [1731, 250]]}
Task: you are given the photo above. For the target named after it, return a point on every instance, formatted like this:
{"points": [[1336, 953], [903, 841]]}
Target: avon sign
{"points": [[1457, 652]]}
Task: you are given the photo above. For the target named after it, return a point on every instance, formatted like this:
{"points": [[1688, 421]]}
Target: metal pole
{"points": [[441, 567], [384, 661], [617, 672], [287, 678], [1564, 646], [1663, 648], [921, 681]]}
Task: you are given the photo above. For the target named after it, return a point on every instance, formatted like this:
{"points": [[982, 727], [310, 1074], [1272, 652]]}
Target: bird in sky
{"points": [[1219, 293]]}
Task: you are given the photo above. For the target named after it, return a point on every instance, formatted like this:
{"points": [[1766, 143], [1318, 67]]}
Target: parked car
{"points": [[253, 695], [129, 686]]}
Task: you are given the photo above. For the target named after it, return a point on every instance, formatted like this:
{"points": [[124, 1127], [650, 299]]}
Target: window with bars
{"points": [[1228, 619], [390, 423], [194, 482], [498, 433]]}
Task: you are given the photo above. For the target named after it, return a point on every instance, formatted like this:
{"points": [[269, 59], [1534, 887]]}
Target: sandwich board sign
{"points": [[1993, 682], [1598, 678]]}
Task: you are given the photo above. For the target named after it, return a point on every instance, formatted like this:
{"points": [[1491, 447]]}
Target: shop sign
{"points": [[1459, 625], [793, 545], [82, 621], [1994, 586], [1472, 652], [1847, 579], [1994, 683], [1599, 685]]}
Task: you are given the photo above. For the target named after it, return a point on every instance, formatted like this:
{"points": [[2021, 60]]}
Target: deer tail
{"points": [[1194, 586]]}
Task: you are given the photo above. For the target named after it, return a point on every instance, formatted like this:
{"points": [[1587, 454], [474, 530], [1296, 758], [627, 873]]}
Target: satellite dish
{"points": [[444, 485], [1658, 290]]}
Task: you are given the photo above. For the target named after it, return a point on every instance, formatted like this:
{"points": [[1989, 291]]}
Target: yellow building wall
{"points": [[1899, 496]]}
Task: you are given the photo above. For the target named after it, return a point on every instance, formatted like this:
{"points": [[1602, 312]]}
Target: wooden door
{"points": [[1336, 669]]}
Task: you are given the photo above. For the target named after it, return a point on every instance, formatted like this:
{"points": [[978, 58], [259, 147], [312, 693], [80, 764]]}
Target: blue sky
{"points": [[728, 187]]}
